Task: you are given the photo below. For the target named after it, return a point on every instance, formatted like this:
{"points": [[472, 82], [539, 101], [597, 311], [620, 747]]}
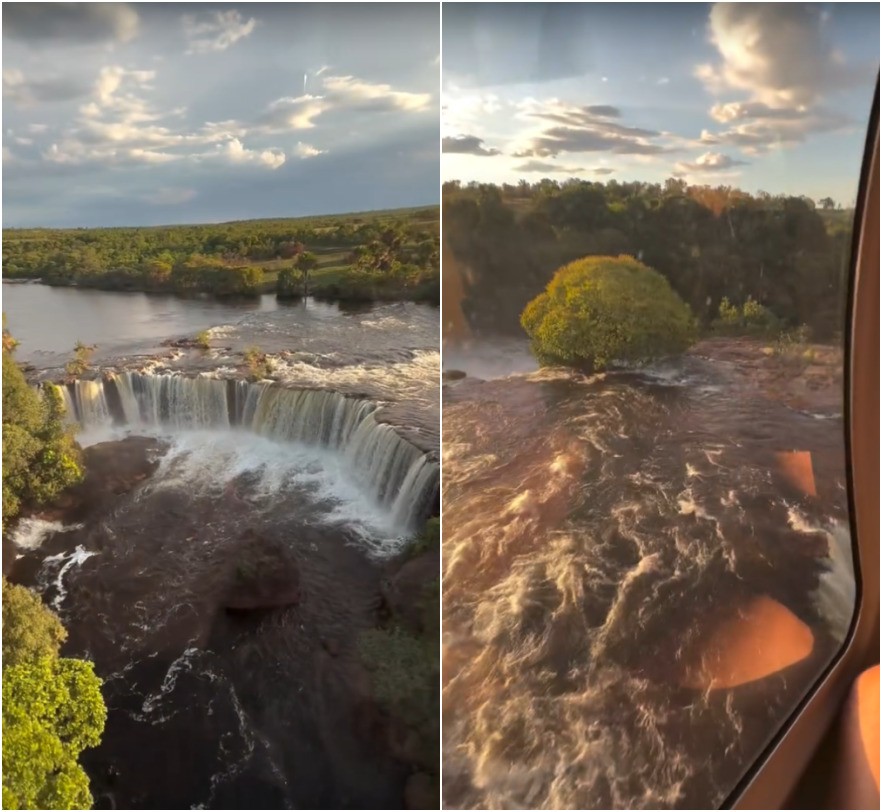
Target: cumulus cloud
{"points": [[547, 167], [74, 23], [235, 152], [756, 128], [29, 91], [774, 51], [586, 128], [337, 93], [466, 145], [215, 31], [710, 162], [356, 94], [778, 56], [307, 150], [292, 113]]}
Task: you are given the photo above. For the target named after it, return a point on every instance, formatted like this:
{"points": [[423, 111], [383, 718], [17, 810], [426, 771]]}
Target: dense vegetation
{"points": [[391, 254], [600, 310], [52, 709], [709, 243], [40, 458]]}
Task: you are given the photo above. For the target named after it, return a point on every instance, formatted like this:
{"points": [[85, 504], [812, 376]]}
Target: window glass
{"points": [[647, 219]]}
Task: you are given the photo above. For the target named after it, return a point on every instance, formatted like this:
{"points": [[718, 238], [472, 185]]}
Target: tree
{"points": [[52, 711], [30, 631], [598, 311], [40, 457], [305, 263]]}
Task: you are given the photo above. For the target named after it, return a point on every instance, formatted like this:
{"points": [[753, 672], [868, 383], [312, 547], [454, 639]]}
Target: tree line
{"points": [[715, 246], [225, 259]]}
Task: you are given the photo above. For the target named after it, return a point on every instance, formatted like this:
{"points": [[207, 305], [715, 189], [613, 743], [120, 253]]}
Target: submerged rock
{"points": [[264, 575]]}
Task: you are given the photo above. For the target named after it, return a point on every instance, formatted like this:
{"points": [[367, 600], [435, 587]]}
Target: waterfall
{"points": [[397, 474]]}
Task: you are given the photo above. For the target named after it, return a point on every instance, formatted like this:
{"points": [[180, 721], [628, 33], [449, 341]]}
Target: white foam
{"points": [[30, 534], [67, 561]]}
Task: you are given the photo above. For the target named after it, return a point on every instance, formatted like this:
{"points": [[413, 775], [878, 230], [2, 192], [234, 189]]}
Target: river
{"points": [[333, 462], [597, 531]]}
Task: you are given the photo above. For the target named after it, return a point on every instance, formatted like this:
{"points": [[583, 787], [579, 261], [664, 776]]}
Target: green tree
{"points": [[40, 458], [30, 630], [52, 711], [598, 311], [289, 283]]}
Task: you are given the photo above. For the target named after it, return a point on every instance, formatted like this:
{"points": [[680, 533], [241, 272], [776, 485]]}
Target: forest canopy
{"points": [[782, 253], [240, 258]]}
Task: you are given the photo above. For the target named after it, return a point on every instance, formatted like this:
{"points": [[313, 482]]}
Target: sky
{"points": [[146, 114], [772, 97]]}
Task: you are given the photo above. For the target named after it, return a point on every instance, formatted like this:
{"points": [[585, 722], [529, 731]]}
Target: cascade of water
{"points": [[396, 473]]}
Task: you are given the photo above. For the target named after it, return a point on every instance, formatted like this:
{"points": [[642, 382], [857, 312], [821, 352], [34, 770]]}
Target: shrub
{"points": [[258, 364], [203, 339], [81, 361], [751, 318], [598, 311]]}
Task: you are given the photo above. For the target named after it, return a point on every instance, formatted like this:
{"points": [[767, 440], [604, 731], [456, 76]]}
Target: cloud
{"points": [[76, 23], [292, 113], [215, 31], [547, 166], [754, 127], [603, 170], [347, 91], [586, 128], [710, 162], [337, 93], [169, 196], [776, 52], [23, 91], [307, 150], [466, 145], [235, 152]]}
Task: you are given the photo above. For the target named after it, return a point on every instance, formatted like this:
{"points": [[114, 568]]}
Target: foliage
{"points": [[81, 361], [224, 259], [751, 318], [52, 709], [708, 242], [9, 343], [30, 630], [601, 310], [203, 339], [792, 346], [289, 283], [258, 364], [40, 458]]}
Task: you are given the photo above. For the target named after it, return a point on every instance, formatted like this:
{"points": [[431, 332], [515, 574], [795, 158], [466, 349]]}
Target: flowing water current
{"points": [[595, 529], [334, 461]]}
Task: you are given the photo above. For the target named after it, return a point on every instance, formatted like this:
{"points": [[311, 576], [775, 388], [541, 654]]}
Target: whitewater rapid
{"points": [[595, 530]]}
